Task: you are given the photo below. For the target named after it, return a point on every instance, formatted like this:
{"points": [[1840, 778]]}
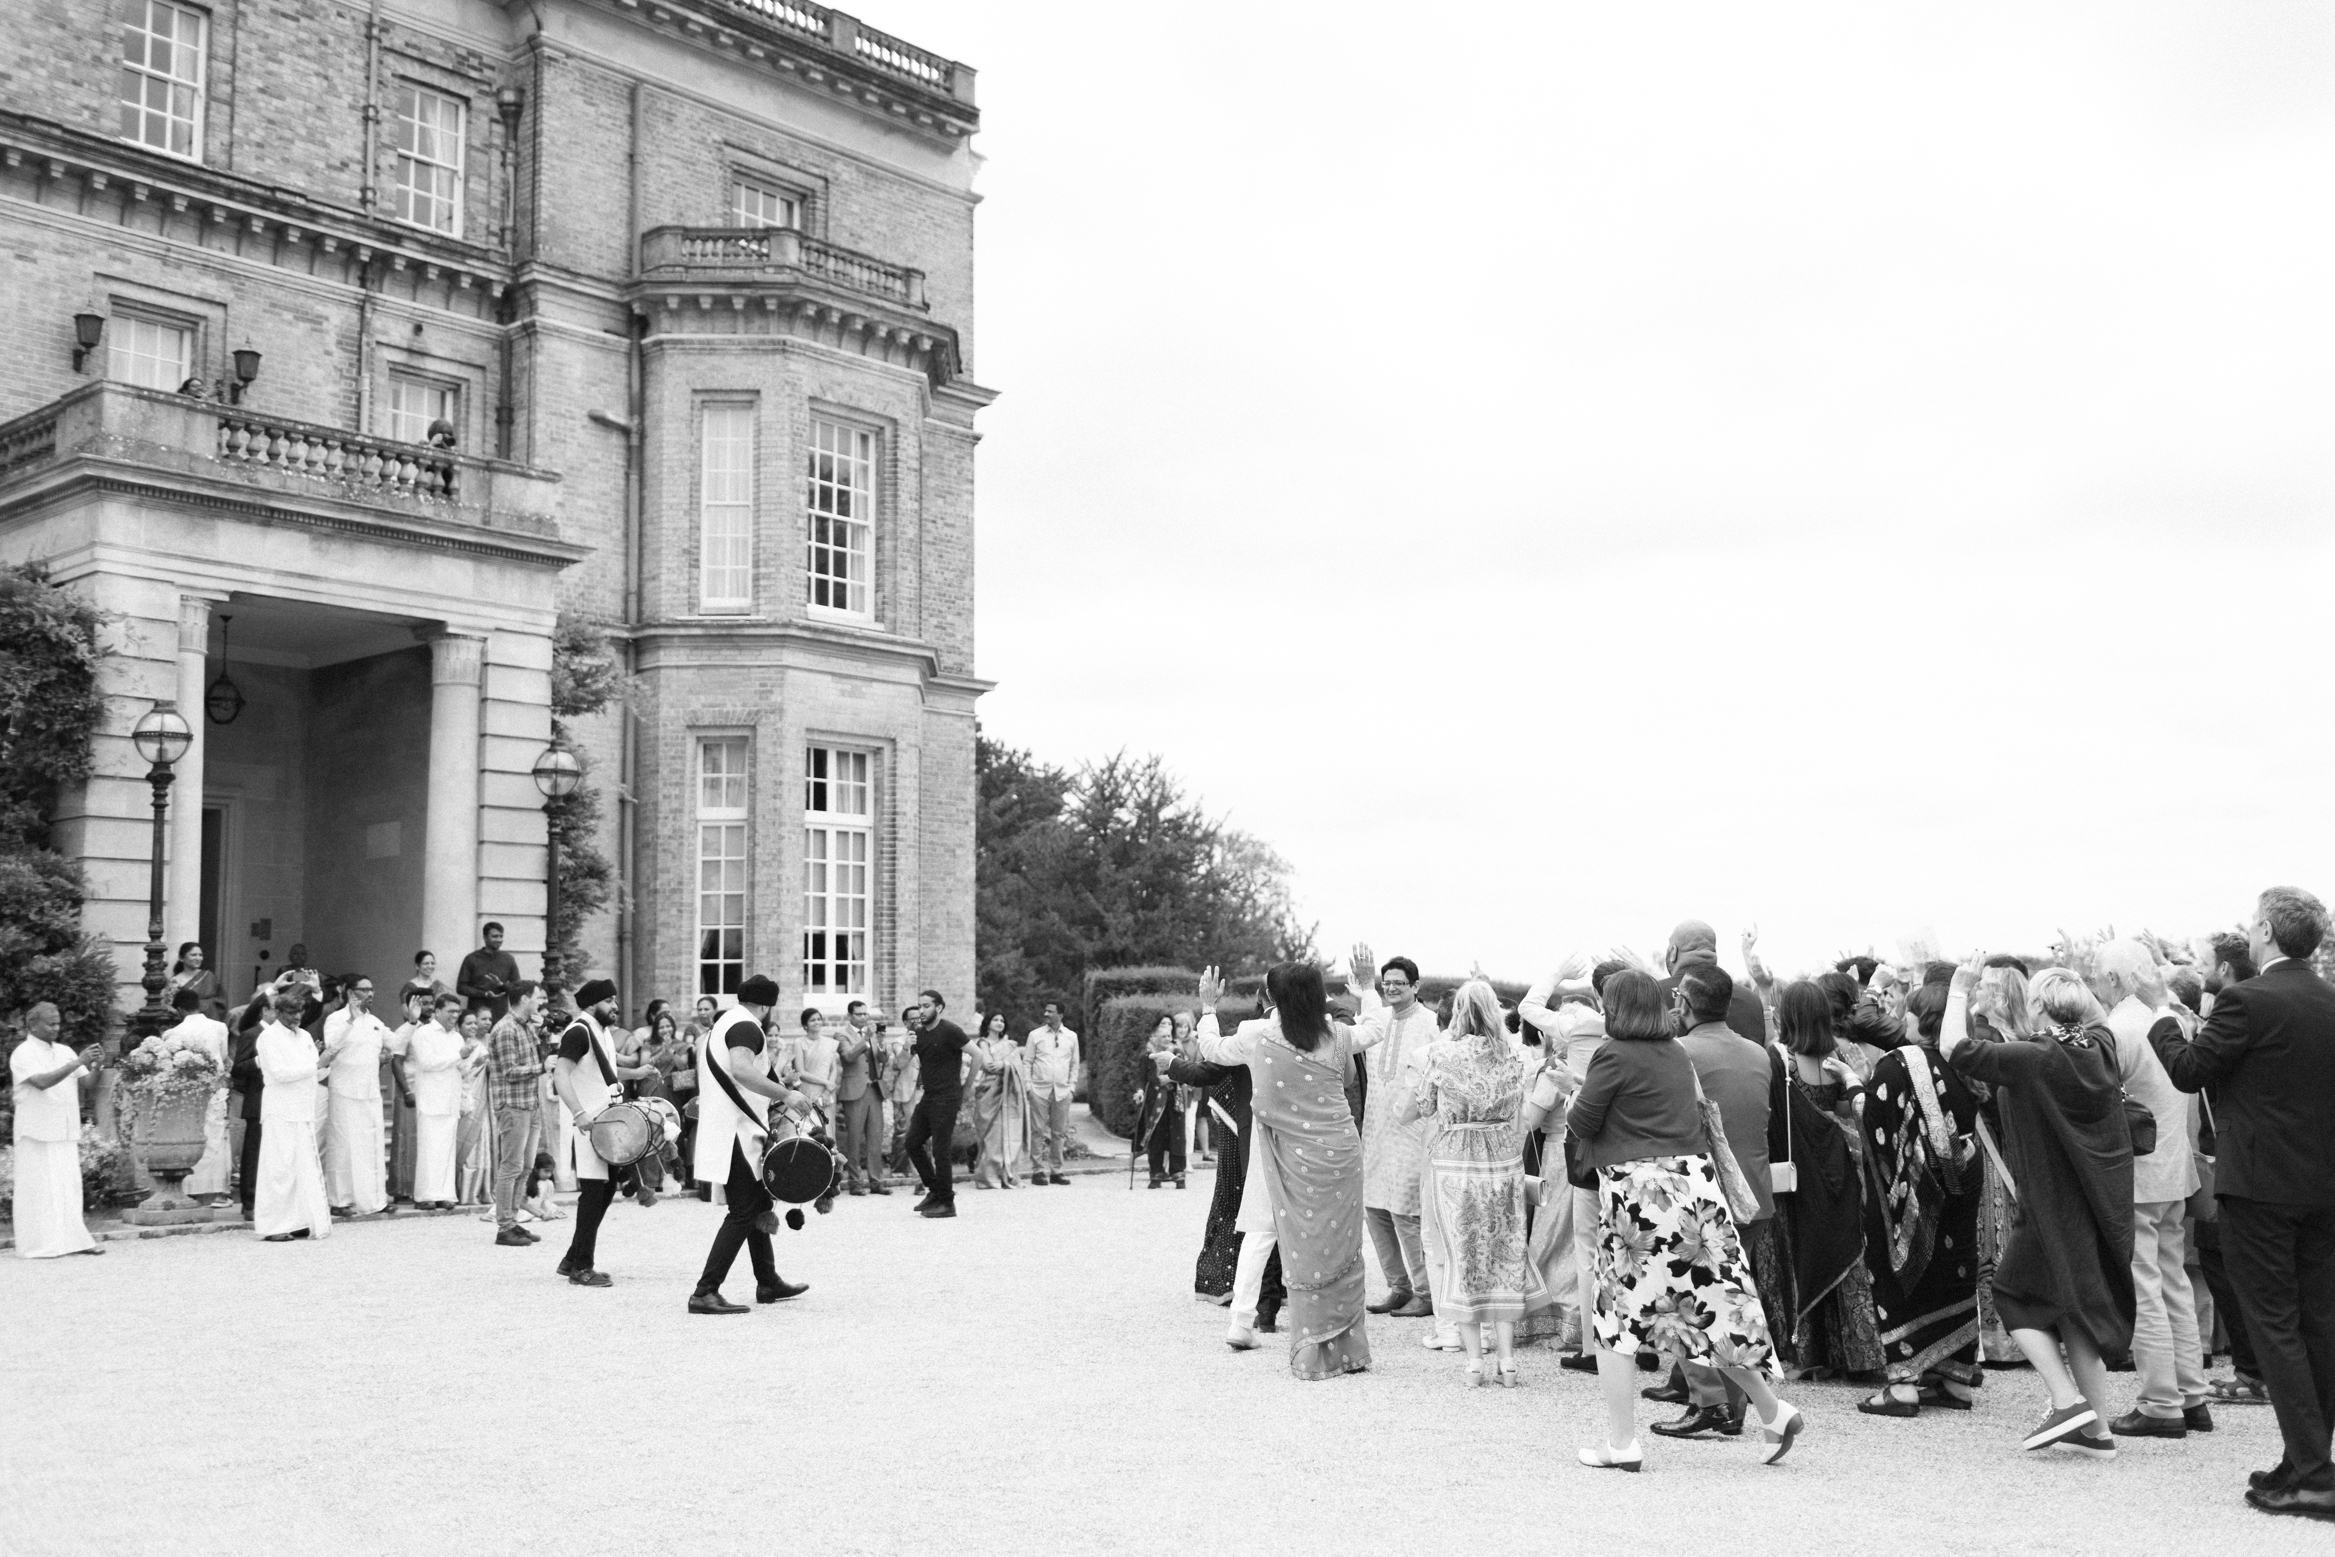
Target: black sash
{"points": [[607, 1071], [729, 1085]]}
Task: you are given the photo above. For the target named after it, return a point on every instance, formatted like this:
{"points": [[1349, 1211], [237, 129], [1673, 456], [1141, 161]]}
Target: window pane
{"points": [[428, 142], [161, 81], [726, 518], [721, 864], [839, 565]]}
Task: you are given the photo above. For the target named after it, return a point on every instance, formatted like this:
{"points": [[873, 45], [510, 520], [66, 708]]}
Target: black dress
{"points": [[2068, 1259], [1228, 1087]]}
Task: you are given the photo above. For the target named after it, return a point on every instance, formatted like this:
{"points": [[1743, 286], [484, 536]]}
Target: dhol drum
{"points": [[667, 1116], [797, 1169], [623, 1133]]}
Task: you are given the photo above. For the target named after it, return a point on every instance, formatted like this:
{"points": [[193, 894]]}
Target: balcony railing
{"points": [[188, 441], [350, 460], [676, 253], [880, 51]]}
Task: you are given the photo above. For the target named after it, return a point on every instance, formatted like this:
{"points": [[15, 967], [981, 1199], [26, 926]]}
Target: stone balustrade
{"points": [[677, 253]]}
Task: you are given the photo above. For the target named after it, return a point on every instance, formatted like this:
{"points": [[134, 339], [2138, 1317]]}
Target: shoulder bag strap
{"points": [[1994, 1155]]}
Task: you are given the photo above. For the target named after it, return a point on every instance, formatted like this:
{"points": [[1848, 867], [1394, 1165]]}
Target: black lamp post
{"points": [[162, 737], [246, 369], [557, 774]]}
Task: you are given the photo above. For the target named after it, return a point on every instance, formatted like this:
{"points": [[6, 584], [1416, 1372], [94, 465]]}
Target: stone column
{"points": [[450, 863], [182, 882]]}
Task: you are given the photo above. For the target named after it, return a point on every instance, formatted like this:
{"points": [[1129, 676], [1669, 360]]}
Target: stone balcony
{"points": [[772, 280], [178, 447]]}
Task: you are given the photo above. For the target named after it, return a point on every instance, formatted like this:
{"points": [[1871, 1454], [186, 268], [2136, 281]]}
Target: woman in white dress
{"points": [[435, 1059]]}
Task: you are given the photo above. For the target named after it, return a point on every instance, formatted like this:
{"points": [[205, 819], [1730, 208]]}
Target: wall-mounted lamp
{"points": [[88, 330], [510, 102], [246, 369]]}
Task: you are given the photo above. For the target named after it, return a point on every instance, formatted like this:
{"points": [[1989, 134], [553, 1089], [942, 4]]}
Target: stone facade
{"points": [[596, 294]]}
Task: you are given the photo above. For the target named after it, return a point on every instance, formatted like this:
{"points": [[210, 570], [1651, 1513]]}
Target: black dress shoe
{"points": [[944, 1208], [588, 1277], [1703, 1419], [1579, 1362], [2198, 1418], [780, 1290], [2139, 1424], [1670, 1394], [565, 1267], [1056, 1178], [270, 1238], [1268, 1321], [300, 1233], [2271, 1480], [512, 1238], [2309, 1502], [713, 1303], [1387, 1304]]}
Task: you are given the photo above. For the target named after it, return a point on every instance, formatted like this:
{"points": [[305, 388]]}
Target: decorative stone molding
{"points": [[455, 659]]}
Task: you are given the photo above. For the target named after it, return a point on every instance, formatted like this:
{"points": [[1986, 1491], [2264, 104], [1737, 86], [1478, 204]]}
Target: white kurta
{"points": [[356, 1172], [1392, 1154], [720, 1125], [48, 1155], [436, 1058], [290, 1193], [210, 1174], [595, 1091]]}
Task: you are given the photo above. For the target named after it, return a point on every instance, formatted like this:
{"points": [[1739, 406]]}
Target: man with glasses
{"points": [[356, 1175], [1392, 1035]]}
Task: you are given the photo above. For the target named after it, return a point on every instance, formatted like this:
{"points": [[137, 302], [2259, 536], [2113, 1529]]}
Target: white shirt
{"points": [[1053, 1060], [44, 1113], [356, 1070], [436, 1053], [287, 1059], [203, 1033]]}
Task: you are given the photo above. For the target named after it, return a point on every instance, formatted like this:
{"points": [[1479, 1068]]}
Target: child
{"points": [[538, 1200]]}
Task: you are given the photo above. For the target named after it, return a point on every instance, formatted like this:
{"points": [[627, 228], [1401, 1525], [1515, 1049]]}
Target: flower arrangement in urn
{"points": [[166, 1087]]}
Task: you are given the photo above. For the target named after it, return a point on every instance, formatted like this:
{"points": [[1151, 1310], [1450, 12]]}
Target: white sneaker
{"points": [[1241, 1338], [1441, 1342]]}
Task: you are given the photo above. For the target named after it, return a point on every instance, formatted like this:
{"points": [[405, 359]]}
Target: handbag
{"points": [[1578, 1171], [2202, 1205], [1741, 1200], [2139, 1122], [1783, 1178]]}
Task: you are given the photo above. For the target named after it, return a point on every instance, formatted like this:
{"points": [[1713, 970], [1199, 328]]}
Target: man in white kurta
{"points": [[203, 1032], [290, 1202], [41, 1074], [588, 1079], [434, 1059], [356, 1173], [1392, 1035]]}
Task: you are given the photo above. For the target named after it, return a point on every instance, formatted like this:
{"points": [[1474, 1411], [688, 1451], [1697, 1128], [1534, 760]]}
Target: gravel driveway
{"points": [[1033, 1377]]}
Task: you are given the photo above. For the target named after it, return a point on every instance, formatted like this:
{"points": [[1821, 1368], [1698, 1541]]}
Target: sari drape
{"points": [[1310, 1158], [1921, 1214], [1001, 1123]]}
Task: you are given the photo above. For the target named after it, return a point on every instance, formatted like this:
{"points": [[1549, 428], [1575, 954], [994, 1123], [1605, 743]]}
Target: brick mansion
{"points": [[358, 343]]}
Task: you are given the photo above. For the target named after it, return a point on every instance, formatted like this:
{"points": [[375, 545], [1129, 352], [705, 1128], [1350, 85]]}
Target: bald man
{"points": [[42, 1074], [1694, 941]]}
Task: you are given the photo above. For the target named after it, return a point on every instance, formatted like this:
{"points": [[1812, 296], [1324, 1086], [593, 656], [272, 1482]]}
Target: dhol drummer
{"points": [[588, 1079], [735, 1093]]}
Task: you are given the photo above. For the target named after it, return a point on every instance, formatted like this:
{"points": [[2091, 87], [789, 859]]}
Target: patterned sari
{"points": [[1921, 1216], [1310, 1158]]}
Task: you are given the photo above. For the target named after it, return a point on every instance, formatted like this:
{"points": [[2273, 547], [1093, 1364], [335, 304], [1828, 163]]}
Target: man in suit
{"points": [[1696, 943], [2267, 1050]]}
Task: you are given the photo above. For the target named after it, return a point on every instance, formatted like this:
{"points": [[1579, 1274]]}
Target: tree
{"points": [[49, 707], [1113, 866]]}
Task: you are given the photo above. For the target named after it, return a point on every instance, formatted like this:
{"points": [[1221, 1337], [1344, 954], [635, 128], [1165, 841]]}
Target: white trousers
{"points": [[210, 1175], [291, 1181], [48, 1200], [433, 1156], [355, 1172], [1248, 1276], [2165, 1350]]}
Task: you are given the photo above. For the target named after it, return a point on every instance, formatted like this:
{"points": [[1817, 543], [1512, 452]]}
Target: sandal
{"points": [[1474, 1372], [1943, 1398], [1886, 1404], [2240, 1391], [1507, 1374]]}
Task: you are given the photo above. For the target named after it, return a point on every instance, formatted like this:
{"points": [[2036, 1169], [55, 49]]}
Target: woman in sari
{"points": [[1471, 1202], [473, 1145], [1921, 1221], [1304, 1194], [1001, 1107], [188, 972], [1820, 1224]]}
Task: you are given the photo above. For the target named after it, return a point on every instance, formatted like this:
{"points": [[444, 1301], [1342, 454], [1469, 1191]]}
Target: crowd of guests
{"points": [[2102, 1158]]}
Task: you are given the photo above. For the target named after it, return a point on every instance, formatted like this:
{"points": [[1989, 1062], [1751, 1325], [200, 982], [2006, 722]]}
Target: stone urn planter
{"points": [[167, 1134]]}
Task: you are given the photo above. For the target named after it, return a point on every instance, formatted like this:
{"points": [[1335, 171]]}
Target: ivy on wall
{"points": [[585, 679]]}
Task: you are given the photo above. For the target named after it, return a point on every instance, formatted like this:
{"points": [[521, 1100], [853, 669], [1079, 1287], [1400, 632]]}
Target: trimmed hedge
{"points": [[1106, 984]]}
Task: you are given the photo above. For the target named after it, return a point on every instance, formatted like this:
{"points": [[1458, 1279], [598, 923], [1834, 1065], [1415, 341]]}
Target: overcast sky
{"points": [[1552, 470]]}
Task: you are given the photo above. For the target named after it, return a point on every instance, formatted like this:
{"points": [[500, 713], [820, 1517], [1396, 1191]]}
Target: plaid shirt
{"points": [[513, 1065]]}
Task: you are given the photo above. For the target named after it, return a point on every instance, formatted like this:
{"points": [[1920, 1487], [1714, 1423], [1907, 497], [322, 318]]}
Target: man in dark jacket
{"points": [[2267, 1050]]}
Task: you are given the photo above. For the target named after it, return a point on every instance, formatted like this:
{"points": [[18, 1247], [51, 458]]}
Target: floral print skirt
{"points": [[1670, 1270]]}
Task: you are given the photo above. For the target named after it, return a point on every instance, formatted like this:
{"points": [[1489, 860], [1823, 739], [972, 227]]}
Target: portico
{"points": [[359, 633]]}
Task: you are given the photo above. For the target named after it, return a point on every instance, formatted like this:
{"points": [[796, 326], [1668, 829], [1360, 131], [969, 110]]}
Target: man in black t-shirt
{"points": [[940, 1070]]}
